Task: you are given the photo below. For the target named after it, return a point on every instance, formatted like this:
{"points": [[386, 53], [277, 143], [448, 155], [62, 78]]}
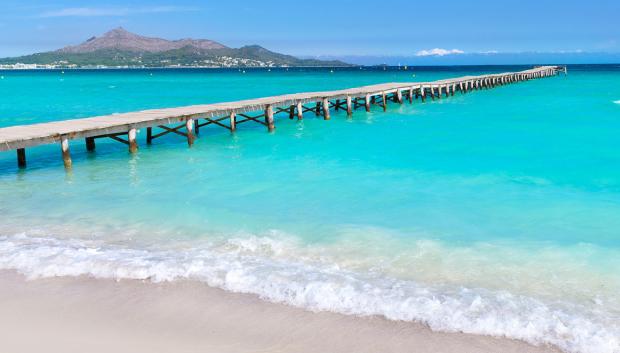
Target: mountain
{"points": [[120, 48], [122, 40]]}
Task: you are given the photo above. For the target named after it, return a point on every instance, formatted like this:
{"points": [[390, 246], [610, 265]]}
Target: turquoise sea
{"points": [[494, 212]]}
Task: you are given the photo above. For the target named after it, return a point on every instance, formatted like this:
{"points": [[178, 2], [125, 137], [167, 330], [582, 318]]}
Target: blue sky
{"points": [[326, 27]]}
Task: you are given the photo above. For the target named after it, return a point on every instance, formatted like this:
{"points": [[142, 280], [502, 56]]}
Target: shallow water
{"points": [[495, 212]]}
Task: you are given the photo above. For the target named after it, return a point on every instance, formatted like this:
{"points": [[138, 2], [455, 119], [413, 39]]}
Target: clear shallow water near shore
{"points": [[495, 212]]}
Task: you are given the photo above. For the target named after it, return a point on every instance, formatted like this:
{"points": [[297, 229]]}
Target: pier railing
{"points": [[187, 121]]}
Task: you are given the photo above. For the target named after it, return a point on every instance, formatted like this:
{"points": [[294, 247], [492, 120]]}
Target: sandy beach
{"points": [[92, 315]]}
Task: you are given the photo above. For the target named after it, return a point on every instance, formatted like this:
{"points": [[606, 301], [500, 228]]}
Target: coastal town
{"points": [[218, 62]]}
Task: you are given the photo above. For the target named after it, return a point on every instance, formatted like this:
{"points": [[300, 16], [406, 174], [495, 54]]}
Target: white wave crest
{"points": [[242, 267]]}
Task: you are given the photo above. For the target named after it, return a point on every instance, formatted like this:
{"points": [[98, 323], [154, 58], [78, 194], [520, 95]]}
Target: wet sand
{"points": [[91, 315]]}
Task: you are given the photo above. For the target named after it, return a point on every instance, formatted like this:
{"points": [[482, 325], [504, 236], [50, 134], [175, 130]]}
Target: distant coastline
{"points": [[122, 49], [409, 67], [38, 67]]}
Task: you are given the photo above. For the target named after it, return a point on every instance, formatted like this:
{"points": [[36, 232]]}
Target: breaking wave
{"points": [[251, 265]]}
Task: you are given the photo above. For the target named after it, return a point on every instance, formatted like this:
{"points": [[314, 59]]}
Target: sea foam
{"points": [[242, 267]]}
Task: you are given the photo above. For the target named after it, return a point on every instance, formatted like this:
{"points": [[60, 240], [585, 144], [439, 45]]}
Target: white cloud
{"points": [[489, 52], [111, 11], [439, 52]]}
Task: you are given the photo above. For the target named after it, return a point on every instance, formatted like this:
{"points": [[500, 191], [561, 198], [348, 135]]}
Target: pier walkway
{"points": [[186, 121]]}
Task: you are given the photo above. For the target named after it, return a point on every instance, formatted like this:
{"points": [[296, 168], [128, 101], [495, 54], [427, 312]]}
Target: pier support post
{"points": [[317, 110], [21, 157], [149, 135], [269, 118], [453, 89], [349, 106], [438, 92], [90, 144], [432, 93], [300, 111], [384, 100], [66, 154], [189, 126], [399, 96], [133, 144], [233, 122], [197, 126], [325, 104], [411, 95], [423, 94], [337, 107], [367, 103], [291, 112]]}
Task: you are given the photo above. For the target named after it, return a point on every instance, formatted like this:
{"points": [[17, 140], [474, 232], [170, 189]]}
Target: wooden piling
{"points": [[349, 106], [317, 110], [90, 144], [133, 144], [233, 122], [66, 153], [291, 112], [269, 118], [367, 102], [21, 157], [384, 100], [189, 126], [399, 96], [411, 95], [325, 104], [197, 126], [337, 107], [300, 111], [149, 135]]}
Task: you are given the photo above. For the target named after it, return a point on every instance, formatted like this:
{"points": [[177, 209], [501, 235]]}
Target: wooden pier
{"points": [[187, 121]]}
